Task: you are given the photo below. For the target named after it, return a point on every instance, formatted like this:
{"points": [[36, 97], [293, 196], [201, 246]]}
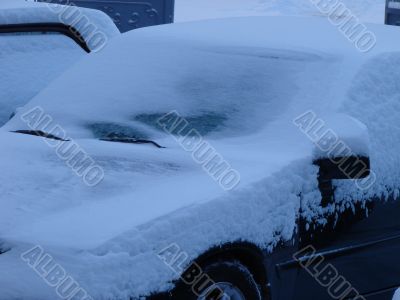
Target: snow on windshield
{"points": [[241, 88]]}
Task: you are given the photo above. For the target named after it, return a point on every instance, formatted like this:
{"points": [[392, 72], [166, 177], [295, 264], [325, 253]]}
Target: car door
{"points": [[361, 244], [361, 240], [31, 56]]}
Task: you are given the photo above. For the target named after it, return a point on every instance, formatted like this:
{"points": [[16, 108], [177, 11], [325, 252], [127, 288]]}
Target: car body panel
{"points": [[363, 247]]}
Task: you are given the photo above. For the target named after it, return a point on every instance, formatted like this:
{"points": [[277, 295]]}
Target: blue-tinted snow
{"points": [[107, 237], [29, 62]]}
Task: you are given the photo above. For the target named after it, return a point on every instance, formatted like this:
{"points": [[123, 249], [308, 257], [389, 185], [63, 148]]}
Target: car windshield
{"points": [[220, 91], [146, 126]]}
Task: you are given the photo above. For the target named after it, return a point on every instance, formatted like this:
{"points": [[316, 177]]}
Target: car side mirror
{"points": [[351, 167], [342, 152]]}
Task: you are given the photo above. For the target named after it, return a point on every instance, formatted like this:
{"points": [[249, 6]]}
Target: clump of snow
{"points": [[373, 98], [396, 295], [330, 133]]}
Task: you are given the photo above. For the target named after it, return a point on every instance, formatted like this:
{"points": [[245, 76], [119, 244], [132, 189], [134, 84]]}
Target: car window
{"points": [[145, 125], [28, 63]]}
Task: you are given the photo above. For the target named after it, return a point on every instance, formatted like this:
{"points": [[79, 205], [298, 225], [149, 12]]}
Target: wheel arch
{"points": [[248, 254]]}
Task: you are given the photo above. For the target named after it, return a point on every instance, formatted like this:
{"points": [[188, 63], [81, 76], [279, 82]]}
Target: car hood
{"points": [[45, 202], [149, 199]]}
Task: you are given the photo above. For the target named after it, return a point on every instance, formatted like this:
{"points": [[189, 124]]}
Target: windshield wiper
{"points": [[111, 139], [4, 248], [131, 141], [41, 134]]}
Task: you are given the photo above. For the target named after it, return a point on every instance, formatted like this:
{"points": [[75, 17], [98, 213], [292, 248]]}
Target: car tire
{"points": [[218, 279]]}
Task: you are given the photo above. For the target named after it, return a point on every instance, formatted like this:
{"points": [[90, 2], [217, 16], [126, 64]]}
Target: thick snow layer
{"points": [[84, 19], [189, 10], [252, 83], [350, 131]]}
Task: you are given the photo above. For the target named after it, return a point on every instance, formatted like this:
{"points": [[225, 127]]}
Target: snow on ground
{"points": [[107, 236], [187, 10]]}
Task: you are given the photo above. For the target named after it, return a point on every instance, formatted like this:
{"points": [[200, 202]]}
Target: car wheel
{"points": [[227, 281]]}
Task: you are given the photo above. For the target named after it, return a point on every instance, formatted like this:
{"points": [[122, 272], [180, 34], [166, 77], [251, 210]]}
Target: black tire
{"points": [[207, 283]]}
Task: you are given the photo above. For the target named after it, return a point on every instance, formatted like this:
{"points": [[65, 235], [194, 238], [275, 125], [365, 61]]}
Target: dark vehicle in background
{"points": [[37, 47], [392, 13], [130, 14]]}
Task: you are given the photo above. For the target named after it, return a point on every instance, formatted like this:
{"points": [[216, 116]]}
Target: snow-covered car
{"points": [[38, 42], [252, 157]]}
